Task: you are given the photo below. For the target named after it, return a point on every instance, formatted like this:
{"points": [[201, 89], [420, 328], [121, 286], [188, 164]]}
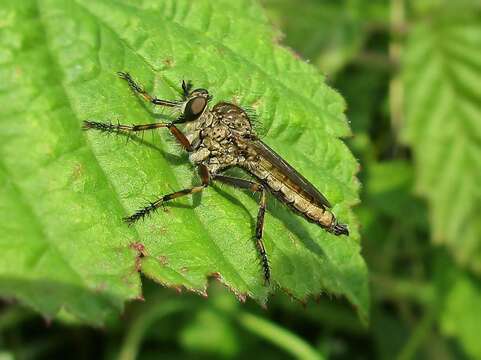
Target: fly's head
{"points": [[194, 106]]}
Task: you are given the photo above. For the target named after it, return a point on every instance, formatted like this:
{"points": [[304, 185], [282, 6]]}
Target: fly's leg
{"points": [[141, 213], [239, 183], [180, 137], [338, 229], [259, 233], [145, 95], [254, 187], [120, 128], [126, 129]]}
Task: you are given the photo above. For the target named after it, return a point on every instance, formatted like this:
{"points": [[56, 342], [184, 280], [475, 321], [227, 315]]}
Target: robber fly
{"points": [[221, 138]]}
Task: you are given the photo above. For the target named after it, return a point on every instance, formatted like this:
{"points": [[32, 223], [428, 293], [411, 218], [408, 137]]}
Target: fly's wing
{"points": [[287, 170]]}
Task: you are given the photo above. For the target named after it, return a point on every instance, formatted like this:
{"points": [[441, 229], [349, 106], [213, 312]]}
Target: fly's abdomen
{"points": [[289, 186], [293, 195]]}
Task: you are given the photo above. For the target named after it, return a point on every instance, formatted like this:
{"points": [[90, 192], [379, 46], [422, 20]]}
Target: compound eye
{"points": [[195, 107]]}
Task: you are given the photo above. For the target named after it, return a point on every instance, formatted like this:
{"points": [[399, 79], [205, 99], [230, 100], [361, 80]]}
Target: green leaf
{"points": [[328, 33], [443, 104], [212, 329], [388, 188], [461, 314], [66, 191], [211, 332], [460, 293]]}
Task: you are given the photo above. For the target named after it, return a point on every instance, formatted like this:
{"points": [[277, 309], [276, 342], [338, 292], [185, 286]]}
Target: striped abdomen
{"points": [[292, 188]]}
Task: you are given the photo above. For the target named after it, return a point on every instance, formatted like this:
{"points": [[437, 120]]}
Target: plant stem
{"points": [[278, 336], [142, 323], [419, 334], [396, 89], [396, 288]]}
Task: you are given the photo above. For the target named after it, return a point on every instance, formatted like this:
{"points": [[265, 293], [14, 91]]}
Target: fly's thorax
{"points": [[220, 137], [234, 117], [214, 143]]}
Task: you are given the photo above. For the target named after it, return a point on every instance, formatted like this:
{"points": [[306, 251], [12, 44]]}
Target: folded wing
{"points": [[290, 173]]}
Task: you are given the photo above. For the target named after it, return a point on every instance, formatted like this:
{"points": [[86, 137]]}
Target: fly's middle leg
{"points": [[255, 187]]}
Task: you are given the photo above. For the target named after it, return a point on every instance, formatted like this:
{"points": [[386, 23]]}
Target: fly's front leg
{"points": [[126, 129], [254, 187], [153, 206], [186, 88], [145, 95]]}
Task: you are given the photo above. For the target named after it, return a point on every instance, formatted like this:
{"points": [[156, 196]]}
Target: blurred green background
{"points": [[410, 72]]}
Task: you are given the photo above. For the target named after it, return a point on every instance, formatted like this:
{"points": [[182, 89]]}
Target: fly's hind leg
{"points": [[259, 234], [254, 187], [143, 212], [147, 210]]}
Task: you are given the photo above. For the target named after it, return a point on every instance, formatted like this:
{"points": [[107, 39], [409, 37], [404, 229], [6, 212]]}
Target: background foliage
{"points": [[409, 72]]}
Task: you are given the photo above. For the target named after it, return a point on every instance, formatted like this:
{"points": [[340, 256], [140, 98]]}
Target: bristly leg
{"points": [[255, 187], [126, 129], [120, 128], [145, 95], [259, 235], [153, 206]]}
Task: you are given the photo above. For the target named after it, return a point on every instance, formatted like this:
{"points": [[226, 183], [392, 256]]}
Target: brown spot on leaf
{"points": [[163, 260], [78, 171], [139, 247], [256, 104], [155, 228], [138, 263], [141, 252], [169, 62]]}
